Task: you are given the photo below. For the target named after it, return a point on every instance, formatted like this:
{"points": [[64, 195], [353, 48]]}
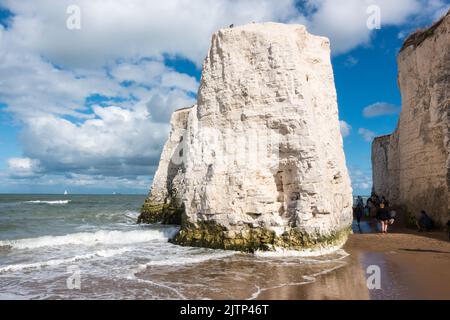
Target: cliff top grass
{"points": [[385, 136], [419, 36], [182, 109]]}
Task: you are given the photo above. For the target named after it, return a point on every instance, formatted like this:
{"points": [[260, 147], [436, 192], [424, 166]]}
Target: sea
{"points": [[90, 247]]}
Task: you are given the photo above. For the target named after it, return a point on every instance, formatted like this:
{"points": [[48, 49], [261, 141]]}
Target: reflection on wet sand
{"points": [[346, 282], [412, 266], [245, 276]]}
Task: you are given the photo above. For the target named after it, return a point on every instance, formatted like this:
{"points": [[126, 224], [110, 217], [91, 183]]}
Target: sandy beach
{"points": [[413, 265]]}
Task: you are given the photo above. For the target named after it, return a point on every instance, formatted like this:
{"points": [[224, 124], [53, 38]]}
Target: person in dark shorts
{"points": [[383, 217]]}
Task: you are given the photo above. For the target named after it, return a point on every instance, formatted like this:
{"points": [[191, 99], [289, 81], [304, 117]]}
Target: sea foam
{"points": [[48, 202], [56, 262], [189, 259], [93, 238], [281, 252]]}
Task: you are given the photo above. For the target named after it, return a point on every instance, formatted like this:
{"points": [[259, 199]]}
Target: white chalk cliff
{"points": [[411, 166], [164, 202], [262, 157]]}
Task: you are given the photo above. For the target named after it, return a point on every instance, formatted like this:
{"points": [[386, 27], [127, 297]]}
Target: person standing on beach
{"points": [[425, 222], [448, 229], [383, 217], [372, 204], [359, 209], [386, 203]]}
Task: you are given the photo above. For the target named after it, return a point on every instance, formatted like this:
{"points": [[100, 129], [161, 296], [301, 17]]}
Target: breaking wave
{"points": [[281, 252], [57, 262], [189, 260], [93, 238], [48, 202]]}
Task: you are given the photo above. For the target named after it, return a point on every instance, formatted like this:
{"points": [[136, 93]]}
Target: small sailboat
{"points": [[65, 192]]}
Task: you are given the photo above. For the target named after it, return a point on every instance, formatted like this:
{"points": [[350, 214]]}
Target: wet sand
{"points": [[413, 265]]}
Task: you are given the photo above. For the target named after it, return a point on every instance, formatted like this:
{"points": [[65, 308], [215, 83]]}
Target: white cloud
{"points": [[116, 142], [380, 109], [141, 28], [367, 134], [351, 61], [48, 72], [179, 80], [162, 105], [150, 74], [345, 22], [345, 128], [146, 72], [23, 167], [116, 29], [108, 140], [361, 179], [430, 10], [75, 183], [31, 86]]}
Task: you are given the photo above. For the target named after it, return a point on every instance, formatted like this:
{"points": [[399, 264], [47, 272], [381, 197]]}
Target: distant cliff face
{"points": [[262, 151], [411, 166]]}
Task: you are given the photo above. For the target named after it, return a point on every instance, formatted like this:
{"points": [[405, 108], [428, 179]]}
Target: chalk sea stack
{"points": [[258, 162], [411, 165]]}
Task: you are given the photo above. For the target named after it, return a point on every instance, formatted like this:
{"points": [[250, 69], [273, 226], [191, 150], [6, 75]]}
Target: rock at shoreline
{"points": [[263, 164], [411, 165], [164, 202]]}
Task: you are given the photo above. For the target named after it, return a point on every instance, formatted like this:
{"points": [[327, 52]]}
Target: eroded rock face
{"points": [[263, 157], [411, 166], [386, 167], [164, 202]]}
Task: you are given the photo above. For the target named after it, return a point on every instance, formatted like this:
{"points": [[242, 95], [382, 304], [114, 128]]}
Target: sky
{"points": [[85, 103]]}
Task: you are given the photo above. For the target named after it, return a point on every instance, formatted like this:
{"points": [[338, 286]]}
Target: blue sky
{"points": [[372, 79], [88, 110]]}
